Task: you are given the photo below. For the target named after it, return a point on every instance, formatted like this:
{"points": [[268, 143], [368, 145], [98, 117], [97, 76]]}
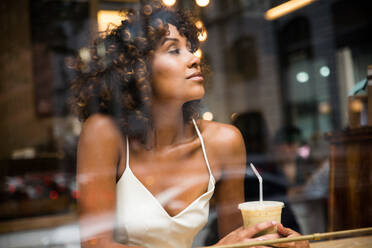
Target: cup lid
{"points": [[252, 205]]}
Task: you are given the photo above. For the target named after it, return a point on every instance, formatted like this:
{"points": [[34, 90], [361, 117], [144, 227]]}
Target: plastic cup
{"points": [[255, 212]]}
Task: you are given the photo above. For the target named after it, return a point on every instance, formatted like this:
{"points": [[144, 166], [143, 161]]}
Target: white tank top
{"points": [[141, 219]]}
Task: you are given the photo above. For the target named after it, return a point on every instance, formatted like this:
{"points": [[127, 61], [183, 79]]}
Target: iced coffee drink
{"points": [[255, 212]]}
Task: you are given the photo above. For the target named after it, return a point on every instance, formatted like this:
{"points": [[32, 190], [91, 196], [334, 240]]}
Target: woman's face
{"points": [[176, 71]]}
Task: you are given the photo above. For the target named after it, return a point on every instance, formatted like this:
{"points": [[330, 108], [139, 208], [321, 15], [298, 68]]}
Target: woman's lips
{"points": [[196, 77]]}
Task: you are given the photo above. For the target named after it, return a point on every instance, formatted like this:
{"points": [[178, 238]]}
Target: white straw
{"points": [[259, 179]]}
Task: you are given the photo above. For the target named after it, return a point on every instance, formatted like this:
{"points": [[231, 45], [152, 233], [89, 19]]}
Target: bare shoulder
{"points": [[99, 127], [100, 133], [221, 133], [225, 138]]}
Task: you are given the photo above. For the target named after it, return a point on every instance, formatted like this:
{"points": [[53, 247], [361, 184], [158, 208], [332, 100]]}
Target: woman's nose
{"points": [[194, 61]]}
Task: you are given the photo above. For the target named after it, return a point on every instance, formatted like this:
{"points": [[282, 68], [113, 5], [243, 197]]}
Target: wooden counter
{"points": [[350, 182], [35, 223], [357, 242]]}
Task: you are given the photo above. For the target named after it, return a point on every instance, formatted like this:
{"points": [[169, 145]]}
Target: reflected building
{"points": [[292, 69]]}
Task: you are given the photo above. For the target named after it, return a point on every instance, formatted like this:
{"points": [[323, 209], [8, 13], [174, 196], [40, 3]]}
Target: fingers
{"points": [[269, 236], [239, 235], [262, 238], [298, 244], [245, 235], [286, 232], [250, 232], [265, 237]]}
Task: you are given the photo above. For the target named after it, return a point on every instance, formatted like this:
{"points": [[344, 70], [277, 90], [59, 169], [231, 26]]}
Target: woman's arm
{"points": [[230, 190], [230, 148], [100, 145], [230, 193]]}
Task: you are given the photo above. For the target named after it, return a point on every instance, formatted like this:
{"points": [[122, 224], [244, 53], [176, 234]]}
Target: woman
{"points": [[147, 167]]}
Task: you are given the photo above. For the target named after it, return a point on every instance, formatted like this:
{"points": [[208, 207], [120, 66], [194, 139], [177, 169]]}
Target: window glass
{"points": [[296, 85]]}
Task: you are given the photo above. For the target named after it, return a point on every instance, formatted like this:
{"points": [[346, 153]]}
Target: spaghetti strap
{"points": [[202, 145], [127, 154], [201, 142]]}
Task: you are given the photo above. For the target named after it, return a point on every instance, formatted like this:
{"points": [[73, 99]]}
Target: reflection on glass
{"points": [[198, 53], [324, 108], [105, 18], [207, 116], [169, 2], [84, 54], [202, 3], [324, 71], [302, 77], [286, 8], [203, 34], [298, 71]]}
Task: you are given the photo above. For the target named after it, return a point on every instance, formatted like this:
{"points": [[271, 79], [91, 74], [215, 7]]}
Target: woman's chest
{"points": [[174, 181]]}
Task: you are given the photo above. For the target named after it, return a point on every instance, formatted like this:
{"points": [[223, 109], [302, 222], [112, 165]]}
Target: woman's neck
{"points": [[168, 126]]}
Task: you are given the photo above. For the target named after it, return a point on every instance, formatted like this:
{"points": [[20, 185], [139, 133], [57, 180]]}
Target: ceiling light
{"points": [[286, 8]]}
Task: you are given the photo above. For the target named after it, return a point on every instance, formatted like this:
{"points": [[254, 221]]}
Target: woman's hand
{"points": [[289, 233], [242, 235]]}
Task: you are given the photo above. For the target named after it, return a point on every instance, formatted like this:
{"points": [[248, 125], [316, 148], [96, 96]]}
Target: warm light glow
{"points": [[84, 54], [208, 116], [93, 241], [202, 3], [101, 50], [233, 116], [286, 8], [199, 24], [169, 2], [203, 36], [198, 53], [356, 105], [324, 108], [107, 18]]}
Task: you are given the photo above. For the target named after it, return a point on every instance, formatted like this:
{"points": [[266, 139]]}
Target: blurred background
{"points": [[292, 78]]}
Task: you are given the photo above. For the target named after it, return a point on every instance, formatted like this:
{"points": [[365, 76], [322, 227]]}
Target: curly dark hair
{"points": [[116, 80]]}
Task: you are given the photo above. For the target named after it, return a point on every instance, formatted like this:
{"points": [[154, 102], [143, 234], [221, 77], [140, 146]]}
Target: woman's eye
{"points": [[174, 51]]}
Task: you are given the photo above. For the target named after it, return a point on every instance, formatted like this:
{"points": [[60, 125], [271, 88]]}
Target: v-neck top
{"points": [[141, 220]]}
